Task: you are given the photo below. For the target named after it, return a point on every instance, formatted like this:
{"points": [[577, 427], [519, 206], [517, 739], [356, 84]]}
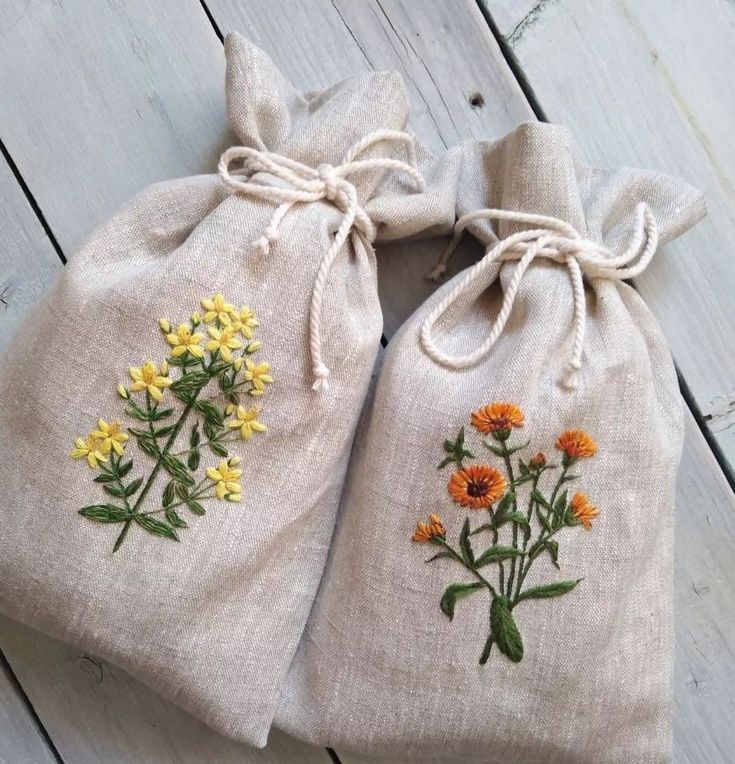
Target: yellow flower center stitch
{"points": [[149, 378], [244, 322], [184, 341], [109, 437], [223, 340], [217, 308], [226, 480], [259, 375], [88, 449], [246, 420]]}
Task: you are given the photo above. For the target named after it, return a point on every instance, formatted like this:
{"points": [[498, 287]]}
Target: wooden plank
{"points": [[95, 712], [21, 739], [655, 95], [28, 261], [102, 99]]}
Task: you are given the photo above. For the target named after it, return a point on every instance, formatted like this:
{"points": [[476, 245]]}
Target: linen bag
{"points": [[211, 307], [514, 604]]}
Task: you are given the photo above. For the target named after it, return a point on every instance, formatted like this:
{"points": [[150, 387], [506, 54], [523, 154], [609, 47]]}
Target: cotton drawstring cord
{"points": [[306, 184], [555, 240]]}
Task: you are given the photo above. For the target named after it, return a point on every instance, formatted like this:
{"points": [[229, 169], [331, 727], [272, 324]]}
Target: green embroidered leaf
{"points": [[131, 488], [497, 450], [561, 504], [464, 543], [148, 446], [175, 518], [225, 382], [193, 460], [233, 398], [115, 490], [522, 467], [162, 414], [177, 469], [438, 556], [513, 450], [453, 593], [542, 519], [195, 437], [211, 412], [156, 527], [518, 517], [504, 630], [217, 448], [443, 463], [169, 493], [504, 506], [124, 468], [539, 499], [523, 479], [190, 383], [195, 507], [105, 477], [182, 491], [549, 590], [105, 513], [483, 527], [456, 450], [210, 430], [137, 412], [552, 547], [163, 431], [497, 553]]}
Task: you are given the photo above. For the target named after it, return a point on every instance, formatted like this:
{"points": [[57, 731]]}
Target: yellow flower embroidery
{"points": [[149, 378], [246, 420], [226, 480], [89, 449], [244, 321], [184, 341], [109, 437], [224, 341], [258, 375], [217, 308]]}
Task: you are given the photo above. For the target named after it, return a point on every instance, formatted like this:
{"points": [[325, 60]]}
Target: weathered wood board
{"points": [[649, 83]]}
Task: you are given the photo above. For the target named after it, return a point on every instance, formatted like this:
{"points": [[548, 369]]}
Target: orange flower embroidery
{"points": [[476, 486], [431, 530], [583, 510], [537, 462], [496, 417], [576, 444]]}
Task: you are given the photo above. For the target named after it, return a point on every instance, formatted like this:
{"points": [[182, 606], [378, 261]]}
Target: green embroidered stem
{"points": [[154, 473], [511, 478], [205, 443], [455, 555], [526, 537]]}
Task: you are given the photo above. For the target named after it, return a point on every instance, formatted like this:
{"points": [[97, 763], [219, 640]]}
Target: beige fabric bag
{"points": [[540, 631], [259, 283]]}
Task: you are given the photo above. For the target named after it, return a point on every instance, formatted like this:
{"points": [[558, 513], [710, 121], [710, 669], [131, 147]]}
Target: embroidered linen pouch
{"points": [[499, 584], [159, 402]]}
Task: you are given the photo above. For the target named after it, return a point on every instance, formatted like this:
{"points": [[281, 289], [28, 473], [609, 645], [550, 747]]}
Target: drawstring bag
{"points": [[499, 585], [170, 478]]}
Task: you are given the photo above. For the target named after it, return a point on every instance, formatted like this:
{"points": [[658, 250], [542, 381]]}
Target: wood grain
{"points": [[649, 83], [28, 261], [21, 740]]}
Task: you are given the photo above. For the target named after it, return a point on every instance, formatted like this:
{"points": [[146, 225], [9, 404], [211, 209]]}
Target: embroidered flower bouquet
{"points": [[477, 611], [180, 523], [514, 530]]}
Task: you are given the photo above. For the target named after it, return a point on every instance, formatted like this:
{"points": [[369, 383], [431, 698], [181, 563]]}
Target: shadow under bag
{"points": [[500, 582], [170, 478]]}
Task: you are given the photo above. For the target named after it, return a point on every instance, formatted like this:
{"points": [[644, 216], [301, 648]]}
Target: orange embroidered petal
{"points": [[583, 510], [497, 416], [427, 531], [476, 486], [576, 444], [537, 462]]}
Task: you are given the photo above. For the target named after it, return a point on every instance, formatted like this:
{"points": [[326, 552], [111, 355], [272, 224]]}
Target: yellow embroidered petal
{"points": [[246, 431], [258, 426], [196, 351], [220, 490], [156, 394], [162, 382], [179, 350]]}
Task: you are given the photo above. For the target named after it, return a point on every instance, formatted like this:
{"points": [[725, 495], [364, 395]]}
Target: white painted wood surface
{"points": [[100, 100], [650, 83]]}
